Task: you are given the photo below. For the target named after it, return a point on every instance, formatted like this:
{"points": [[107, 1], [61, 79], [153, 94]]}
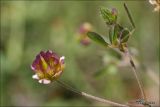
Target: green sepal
{"points": [[109, 16]]}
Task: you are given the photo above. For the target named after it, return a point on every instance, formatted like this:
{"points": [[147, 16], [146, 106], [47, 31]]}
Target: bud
{"points": [[48, 66], [82, 33], [109, 16]]}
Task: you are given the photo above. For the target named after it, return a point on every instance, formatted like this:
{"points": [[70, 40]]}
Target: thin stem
{"points": [[136, 75], [90, 96]]}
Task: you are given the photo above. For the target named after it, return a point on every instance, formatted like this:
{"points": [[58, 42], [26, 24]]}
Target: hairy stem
{"points": [[136, 74], [90, 96]]}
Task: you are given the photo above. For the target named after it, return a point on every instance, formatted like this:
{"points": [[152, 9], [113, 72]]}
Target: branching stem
{"points": [[90, 96]]}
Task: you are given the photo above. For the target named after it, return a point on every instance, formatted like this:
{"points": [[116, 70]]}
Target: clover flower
{"points": [[48, 66], [82, 33]]}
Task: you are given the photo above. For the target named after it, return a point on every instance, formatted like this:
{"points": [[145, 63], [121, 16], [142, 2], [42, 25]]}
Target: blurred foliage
{"points": [[27, 27]]}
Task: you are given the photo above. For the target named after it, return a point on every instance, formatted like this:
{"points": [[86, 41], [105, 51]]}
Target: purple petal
{"points": [[35, 64], [52, 58]]}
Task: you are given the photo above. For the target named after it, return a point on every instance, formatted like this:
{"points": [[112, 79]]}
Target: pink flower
{"points": [[48, 66]]}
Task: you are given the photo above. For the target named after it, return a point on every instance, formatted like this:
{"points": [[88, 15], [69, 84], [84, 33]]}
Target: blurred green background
{"points": [[27, 27]]}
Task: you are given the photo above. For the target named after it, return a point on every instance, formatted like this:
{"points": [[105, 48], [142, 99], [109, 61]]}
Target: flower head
{"points": [[48, 66], [82, 33]]}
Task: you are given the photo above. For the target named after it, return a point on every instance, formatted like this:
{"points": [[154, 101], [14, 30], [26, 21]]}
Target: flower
{"points": [[48, 66], [82, 33], [156, 3]]}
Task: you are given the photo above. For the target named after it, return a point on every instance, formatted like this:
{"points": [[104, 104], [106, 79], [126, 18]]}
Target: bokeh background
{"points": [[27, 27]]}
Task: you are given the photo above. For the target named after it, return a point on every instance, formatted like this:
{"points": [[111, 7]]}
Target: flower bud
{"points": [[82, 33]]}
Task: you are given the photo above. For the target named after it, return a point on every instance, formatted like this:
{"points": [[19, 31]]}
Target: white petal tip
{"points": [[32, 67], [35, 76], [62, 58], [44, 81], [50, 51], [40, 81]]}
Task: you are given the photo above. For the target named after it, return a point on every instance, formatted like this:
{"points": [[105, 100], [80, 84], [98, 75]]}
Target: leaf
{"points": [[129, 15], [109, 69], [100, 72], [116, 31], [97, 38], [125, 32], [125, 39], [125, 36], [111, 33], [109, 16]]}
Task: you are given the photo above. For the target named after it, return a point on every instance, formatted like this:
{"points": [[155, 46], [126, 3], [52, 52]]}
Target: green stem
{"points": [[90, 96]]}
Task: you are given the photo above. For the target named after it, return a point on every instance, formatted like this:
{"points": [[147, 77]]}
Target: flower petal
{"points": [[62, 59], [40, 81], [57, 74], [45, 81], [35, 65], [35, 76]]}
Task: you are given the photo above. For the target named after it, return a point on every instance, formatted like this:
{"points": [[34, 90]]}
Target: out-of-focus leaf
{"points": [[100, 72], [110, 69], [109, 16], [97, 38]]}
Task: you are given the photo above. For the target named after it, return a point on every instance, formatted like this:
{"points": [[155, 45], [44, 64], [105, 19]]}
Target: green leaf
{"points": [[125, 39], [116, 30], [125, 35], [109, 16], [97, 38], [100, 72], [109, 69]]}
